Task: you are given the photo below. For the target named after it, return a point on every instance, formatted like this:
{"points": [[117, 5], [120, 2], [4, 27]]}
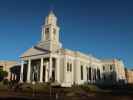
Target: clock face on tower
{"points": [[47, 33]]}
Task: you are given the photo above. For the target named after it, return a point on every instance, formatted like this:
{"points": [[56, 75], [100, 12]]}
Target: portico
{"points": [[39, 69]]}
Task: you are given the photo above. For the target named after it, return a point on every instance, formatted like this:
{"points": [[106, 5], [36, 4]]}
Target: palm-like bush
{"points": [[3, 74]]}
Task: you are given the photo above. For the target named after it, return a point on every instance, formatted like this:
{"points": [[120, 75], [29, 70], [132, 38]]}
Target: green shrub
{"points": [[89, 87], [3, 74], [5, 82], [38, 87], [3, 87]]}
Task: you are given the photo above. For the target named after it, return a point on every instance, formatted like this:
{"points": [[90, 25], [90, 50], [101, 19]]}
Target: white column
{"points": [[29, 71], [85, 73], [15, 77], [57, 70], [50, 67], [77, 70], [9, 75], [96, 73], [65, 68], [41, 71], [12, 76], [91, 75], [21, 72], [46, 72], [73, 80]]}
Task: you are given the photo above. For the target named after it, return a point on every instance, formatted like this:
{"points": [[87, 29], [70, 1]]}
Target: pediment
{"points": [[34, 51]]}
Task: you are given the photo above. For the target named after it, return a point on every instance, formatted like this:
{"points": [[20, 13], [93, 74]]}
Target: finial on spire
{"points": [[51, 18], [51, 7], [51, 13]]}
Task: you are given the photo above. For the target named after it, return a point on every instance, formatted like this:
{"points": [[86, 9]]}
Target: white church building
{"points": [[48, 61]]}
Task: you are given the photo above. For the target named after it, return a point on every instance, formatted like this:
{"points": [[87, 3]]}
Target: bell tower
{"points": [[50, 33]]}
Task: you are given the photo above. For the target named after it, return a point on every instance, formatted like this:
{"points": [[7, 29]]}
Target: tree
{"points": [[3, 74]]}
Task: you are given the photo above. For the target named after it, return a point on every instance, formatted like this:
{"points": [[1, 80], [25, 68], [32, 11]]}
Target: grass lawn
{"points": [[46, 92]]}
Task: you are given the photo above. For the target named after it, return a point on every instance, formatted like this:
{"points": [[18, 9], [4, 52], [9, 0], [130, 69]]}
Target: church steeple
{"points": [[51, 19], [50, 32]]}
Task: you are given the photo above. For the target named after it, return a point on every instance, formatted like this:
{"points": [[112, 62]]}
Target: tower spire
{"points": [[51, 19], [50, 33], [51, 8], [51, 11]]}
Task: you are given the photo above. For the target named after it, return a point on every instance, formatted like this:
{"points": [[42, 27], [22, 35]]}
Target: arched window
{"points": [[98, 74], [67, 67], [95, 74], [87, 69], [89, 73], [81, 72], [103, 68], [47, 33]]}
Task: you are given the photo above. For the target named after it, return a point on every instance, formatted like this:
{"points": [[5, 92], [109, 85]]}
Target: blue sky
{"points": [[102, 28]]}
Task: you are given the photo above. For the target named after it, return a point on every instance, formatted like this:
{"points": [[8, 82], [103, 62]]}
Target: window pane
{"points": [[67, 67], [103, 68], [111, 67], [81, 72], [89, 73]]}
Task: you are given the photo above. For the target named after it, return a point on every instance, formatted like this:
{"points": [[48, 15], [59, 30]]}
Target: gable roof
{"points": [[34, 51]]}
